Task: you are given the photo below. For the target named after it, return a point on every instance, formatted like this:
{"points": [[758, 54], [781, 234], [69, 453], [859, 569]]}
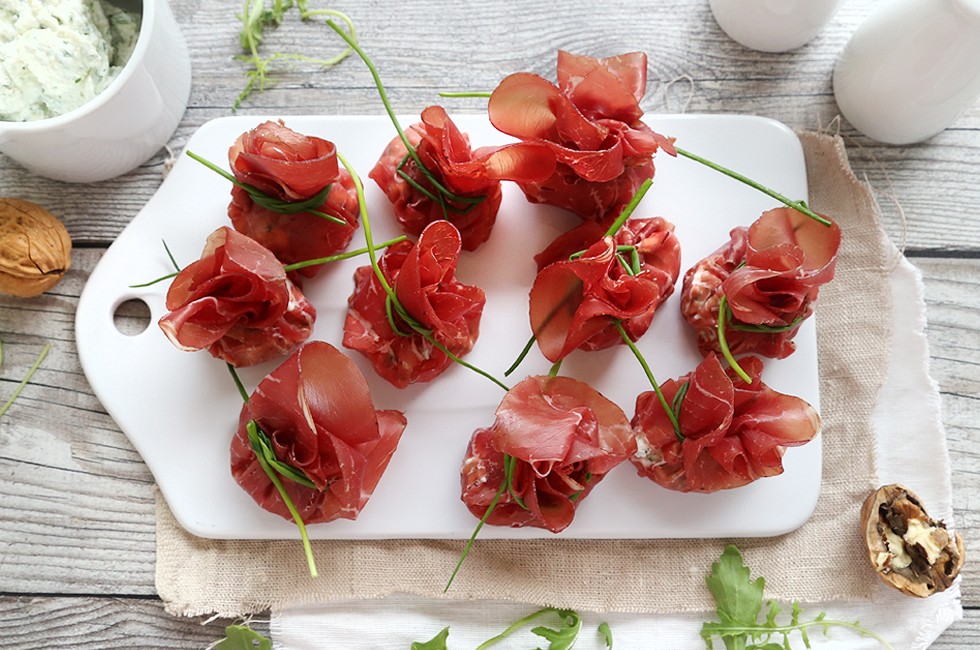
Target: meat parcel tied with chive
{"points": [[730, 432], [454, 182], [317, 416], [587, 282], [237, 303], [307, 207], [766, 279], [552, 441], [423, 277], [591, 122]]}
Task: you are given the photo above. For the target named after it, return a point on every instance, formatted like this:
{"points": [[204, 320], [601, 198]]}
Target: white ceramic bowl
{"points": [[124, 125]]}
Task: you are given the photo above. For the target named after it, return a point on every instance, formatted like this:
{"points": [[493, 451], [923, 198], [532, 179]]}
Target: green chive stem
{"points": [[256, 193], [723, 340], [799, 206], [307, 547], [253, 428], [520, 357], [653, 382], [295, 266], [630, 207], [26, 379], [476, 531]]}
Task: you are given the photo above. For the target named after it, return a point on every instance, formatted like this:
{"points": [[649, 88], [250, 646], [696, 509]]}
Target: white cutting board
{"points": [[180, 409]]}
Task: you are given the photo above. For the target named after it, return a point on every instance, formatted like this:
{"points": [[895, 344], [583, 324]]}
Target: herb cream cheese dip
{"points": [[55, 55]]}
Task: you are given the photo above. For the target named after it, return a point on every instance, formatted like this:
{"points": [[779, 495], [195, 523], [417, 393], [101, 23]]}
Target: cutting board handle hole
{"points": [[131, 317]]}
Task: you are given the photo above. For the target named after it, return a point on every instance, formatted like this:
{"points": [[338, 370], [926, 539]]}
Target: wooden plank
{"points": [[418, 56], [952, 290], [90, 623]]}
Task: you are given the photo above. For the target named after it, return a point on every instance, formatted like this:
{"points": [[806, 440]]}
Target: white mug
{"points": [[773, 25], [910, 69], [124, 125]]}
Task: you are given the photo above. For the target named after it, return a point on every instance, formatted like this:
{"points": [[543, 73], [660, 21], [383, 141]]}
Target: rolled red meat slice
{"points": [[575, 303], [317, 412], [591, 122], [770, 275], [445, 153], [563, 438], [423, 277], [732, 432], [237, 303], [292, 168]]}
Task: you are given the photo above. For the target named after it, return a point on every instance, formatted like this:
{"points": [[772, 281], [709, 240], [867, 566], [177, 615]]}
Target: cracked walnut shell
{"points": [[35, 249], [909, 550]]}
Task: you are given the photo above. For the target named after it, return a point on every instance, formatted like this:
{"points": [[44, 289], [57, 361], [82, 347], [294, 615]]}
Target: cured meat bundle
{"points": [[472, 177], [591, 123], [423, 277], [731, 432], [560, 437], [317, 414], [587, 282], [769, 275], [292, 170], [237, 303]]}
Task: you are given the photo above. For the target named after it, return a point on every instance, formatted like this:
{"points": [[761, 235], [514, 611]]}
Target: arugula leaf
{"points": [[606, 634], [564, 637], [739, 600], [438, 642], [242, 637]]}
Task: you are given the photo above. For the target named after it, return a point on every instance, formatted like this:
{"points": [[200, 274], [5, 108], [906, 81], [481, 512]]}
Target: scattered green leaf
{"points": [[438, 642], [565, 636], [740, 599], [562, 638], [242, 637], [256, 18], [606, 634]]}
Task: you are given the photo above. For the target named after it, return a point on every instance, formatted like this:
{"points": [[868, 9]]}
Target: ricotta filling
{"points": [[56, 55]]}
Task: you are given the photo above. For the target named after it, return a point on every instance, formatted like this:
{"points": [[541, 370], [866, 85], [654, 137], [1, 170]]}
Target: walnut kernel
{"points": [[909, 550]]}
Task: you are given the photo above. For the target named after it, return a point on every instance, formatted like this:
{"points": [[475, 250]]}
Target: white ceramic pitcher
{"points": [[124, 125], [910, 69]]}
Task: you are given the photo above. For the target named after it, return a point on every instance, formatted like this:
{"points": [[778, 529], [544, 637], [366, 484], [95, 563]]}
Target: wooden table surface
{"points": [[76, 501]]}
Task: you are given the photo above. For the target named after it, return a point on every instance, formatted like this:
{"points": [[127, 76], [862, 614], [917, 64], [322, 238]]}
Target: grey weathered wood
{"points": [[76, 501]]}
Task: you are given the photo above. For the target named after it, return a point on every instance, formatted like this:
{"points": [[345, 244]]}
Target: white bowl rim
{"points": [[147, 23]]}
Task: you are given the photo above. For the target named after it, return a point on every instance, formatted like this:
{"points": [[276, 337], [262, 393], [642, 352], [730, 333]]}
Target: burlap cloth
{"points": [[821, 561]]}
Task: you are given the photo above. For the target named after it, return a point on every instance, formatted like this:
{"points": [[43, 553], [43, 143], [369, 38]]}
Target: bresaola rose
{"points": [[731, 432], [769, 275], [591, 123], [282, 163], [561, 436], [587, 283], [473, 176], [237, 303], [292, 169], [423, 277], [317, 414]]}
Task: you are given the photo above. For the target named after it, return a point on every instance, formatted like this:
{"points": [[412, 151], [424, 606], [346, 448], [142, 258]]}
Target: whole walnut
{"points": [[35, 249]]}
